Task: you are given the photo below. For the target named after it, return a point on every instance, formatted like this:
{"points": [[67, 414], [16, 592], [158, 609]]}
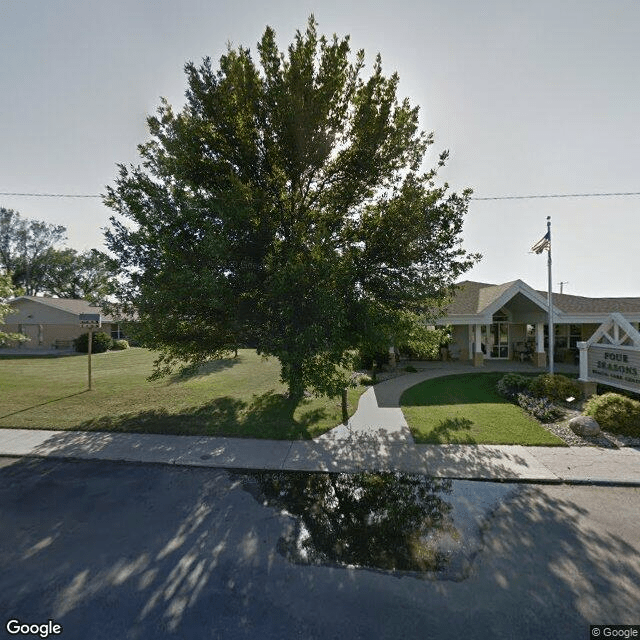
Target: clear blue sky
{"points": [[529, 97]]}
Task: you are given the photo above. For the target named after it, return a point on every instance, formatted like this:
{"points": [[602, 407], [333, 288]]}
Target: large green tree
{"points": [[25, 249], [285, 206], [7, 292], [90, 275], [29, 252]]}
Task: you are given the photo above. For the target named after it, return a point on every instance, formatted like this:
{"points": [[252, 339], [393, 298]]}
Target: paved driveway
{"points": [[125, 551]]}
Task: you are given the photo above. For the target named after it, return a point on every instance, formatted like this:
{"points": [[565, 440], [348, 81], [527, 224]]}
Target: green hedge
{"points": [[511, 384], [554, 387], [100, 342], [615, 413]]}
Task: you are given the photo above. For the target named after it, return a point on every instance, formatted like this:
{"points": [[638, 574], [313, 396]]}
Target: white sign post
{"points": [[612, 355], [91, 321]]}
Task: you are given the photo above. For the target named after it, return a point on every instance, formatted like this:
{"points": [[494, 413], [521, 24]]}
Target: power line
{"points": [[529, 197], [52, 195], [563, 195]]}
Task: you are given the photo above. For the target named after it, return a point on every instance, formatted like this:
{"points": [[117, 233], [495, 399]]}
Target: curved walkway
{"points": [[379, 417], [376, 438]]}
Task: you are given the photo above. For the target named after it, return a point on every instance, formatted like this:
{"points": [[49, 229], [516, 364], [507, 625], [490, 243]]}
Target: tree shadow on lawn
{"points": [[42, 404], [267, 416], [468, 388], [447, 432], [202, 370]]}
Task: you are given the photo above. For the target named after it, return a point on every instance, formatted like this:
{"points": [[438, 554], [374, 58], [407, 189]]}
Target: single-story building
{"points": [[53, 323], [510, 321]]}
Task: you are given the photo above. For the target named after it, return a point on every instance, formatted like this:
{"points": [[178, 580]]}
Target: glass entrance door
{"points": [[500, 334]]}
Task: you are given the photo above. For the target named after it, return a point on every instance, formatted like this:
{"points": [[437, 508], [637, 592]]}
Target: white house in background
{"points": [[51, 323], [510, 321]]}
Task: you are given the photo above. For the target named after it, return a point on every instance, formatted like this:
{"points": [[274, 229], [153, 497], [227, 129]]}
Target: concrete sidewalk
{"points": [[485, 462], [377, 438]]}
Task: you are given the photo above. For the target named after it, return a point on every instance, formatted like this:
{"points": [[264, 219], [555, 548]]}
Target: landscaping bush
{"points": [[554, 387], [512, 384], [422, 343], [605, 388], [100, 342], [366, 359], [540, 408], [615, 413], [119, 345]]}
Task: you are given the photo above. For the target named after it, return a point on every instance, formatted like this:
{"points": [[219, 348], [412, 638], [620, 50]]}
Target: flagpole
{"points": [[550, 298]]}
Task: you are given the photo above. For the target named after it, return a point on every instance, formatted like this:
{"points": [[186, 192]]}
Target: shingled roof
{"points": [[473, 298], [581, 304], [70, 305]]}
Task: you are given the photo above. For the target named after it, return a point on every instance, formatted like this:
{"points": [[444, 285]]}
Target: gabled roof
{"points": [[480, 299], [70, 305], [474, 298]]}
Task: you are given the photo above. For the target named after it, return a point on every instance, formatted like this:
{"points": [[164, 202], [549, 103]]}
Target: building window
{"points": [[117, 333], [575, 335]]}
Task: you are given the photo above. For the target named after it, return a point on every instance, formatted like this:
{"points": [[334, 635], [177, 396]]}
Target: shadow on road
{"points": [[152, 552]]}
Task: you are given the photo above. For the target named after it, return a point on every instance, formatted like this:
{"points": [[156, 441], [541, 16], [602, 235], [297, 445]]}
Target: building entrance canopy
{"points": [[510, 321]]}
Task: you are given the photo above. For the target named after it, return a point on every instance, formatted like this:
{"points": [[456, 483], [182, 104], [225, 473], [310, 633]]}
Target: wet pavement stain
{"points": [[389, 521]]}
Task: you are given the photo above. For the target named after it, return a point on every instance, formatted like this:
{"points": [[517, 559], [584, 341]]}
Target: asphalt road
{"points": [[124, 551]]}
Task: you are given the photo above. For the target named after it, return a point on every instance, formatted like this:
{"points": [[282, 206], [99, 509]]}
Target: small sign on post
{"points": [[91, 321]]}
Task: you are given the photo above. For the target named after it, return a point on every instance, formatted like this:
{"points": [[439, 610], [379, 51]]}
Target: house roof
{"points": [[70, 305], [581, 304], [477, 298]]}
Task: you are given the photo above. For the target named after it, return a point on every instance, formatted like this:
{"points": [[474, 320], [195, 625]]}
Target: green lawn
{"points": [[232, 397], [466, 409]]}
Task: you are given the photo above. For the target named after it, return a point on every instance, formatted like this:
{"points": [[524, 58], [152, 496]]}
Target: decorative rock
{"points": [[584, 426]]}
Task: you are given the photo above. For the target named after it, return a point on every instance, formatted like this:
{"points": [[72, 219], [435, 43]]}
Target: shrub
{"points": [[511, 384], [540, 408], [605, 388], [410, 369], [119, 345], [421, 343], [554, 387], [100, 342], [366, 381], [366, 359], [615, 413]]}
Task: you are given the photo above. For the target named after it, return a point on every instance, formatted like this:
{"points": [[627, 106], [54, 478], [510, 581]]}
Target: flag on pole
{"points": [[542, 244]]}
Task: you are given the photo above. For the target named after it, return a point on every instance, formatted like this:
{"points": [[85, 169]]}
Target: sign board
{"points": [[90, 320], [615, 366], [612, 355]]}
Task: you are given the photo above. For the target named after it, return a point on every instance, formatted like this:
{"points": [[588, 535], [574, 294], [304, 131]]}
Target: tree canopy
{"points": [[6, 293], [285, 206], [25, 246], [29, 253]]}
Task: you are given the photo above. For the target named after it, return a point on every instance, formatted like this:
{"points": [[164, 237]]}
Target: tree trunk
{"points": [[295, 382]]}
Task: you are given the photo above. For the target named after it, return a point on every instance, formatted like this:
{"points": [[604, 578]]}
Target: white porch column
{"points": [[584, 369], [477, 356], [589, 387], [540, 359]]}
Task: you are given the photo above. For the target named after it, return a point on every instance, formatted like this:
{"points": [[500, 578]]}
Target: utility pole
{"points": [[551, 329]]}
